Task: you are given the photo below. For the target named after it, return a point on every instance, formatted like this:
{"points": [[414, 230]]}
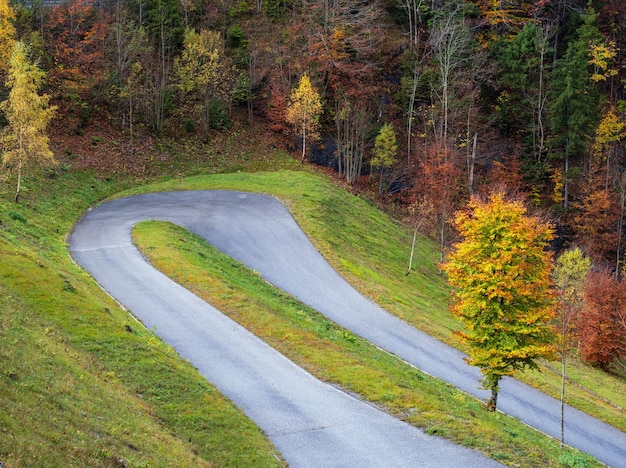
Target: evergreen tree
{"points": [[576, 101], [521, 104]]}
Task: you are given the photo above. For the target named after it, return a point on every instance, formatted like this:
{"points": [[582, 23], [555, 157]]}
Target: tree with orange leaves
{"points": [[76, 34], [501, 274], [602, 323]]}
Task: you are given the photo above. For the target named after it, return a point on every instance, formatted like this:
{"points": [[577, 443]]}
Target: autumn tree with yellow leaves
{"points": [[7, 35], [205, 73], [304, 110], [23, 141], [501, 272]]}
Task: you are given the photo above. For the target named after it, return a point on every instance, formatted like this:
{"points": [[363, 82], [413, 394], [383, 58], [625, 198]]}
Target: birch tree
{"points": [[23, 141], [304, 110], [570, 275], [450, 41]]}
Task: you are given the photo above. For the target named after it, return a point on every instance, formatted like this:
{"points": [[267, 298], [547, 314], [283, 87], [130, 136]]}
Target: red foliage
{"points": [[75, 33], [439, 183], [601, 327], [507, 177], [276, 111]]}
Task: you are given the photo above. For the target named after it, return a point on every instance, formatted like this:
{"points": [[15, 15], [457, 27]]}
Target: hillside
{"points": [[427, 103], [101, 378], [526, 98]]}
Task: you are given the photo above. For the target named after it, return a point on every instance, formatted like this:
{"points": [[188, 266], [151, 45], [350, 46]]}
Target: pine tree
{"points": [[576, 100], [501, 272], [521, 104], [24, 141]]}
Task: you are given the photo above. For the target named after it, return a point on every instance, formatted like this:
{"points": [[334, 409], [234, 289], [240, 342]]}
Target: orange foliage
{"points": [[75, 34], [596, 225], [602, 324]]}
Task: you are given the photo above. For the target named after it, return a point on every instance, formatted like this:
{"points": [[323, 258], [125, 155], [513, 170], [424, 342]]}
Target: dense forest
{"points": [[424, 102]]}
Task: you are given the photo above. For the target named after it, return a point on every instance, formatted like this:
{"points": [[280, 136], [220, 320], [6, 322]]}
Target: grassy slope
{"points": [[59, 307], [371, 250], [81, 383]]}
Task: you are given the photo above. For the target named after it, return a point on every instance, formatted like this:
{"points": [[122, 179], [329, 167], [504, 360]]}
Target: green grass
{"points": [[55, 318], [371, 251], [83, 383], [335, 355], [60, 407]]}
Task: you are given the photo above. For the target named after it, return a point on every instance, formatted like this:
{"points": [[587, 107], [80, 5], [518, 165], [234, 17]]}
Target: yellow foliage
{"points": [[304, 110], [610, 130], [502, 275], [7, 34], [24, 141], [600, 57], [559, 182]]}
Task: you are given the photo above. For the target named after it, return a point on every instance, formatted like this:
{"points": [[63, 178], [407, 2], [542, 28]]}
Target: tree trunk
{"points": [[563, 392], [566, 178], [442, 246], [410, 116], [19, 181], [303, 142], [564, 326], [493, 401], [622, 190], [472, 164], [412, 251]]}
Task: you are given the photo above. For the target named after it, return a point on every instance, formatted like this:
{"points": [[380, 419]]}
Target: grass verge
{"points": [[335, 355], [371, 251], [82, 383]]}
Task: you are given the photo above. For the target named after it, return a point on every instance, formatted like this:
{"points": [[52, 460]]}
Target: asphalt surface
{"points": [[311, 423]]}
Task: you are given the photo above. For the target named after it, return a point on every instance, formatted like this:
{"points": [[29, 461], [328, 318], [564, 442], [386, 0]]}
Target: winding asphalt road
{"points": [[311, 423]]}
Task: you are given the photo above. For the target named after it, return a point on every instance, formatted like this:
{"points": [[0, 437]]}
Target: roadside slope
{"points": [[82, 383], [259, 231]]}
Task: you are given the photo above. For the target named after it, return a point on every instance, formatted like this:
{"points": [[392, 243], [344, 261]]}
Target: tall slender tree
{"points": [[385, 151], [451, 41], [304, 110], [501, 273], [23, 141], [570, 275]]}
